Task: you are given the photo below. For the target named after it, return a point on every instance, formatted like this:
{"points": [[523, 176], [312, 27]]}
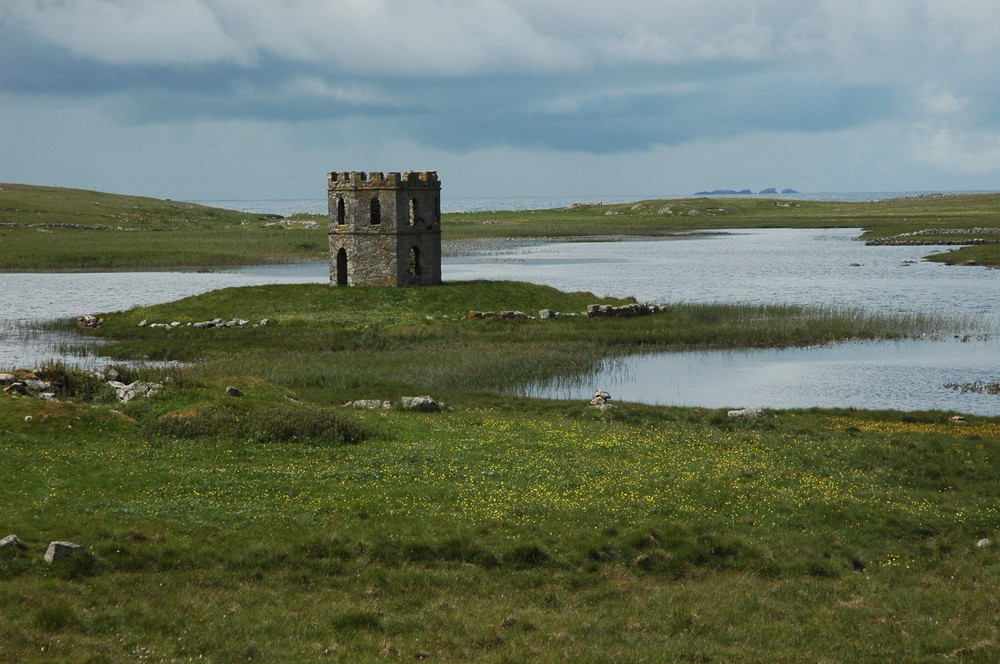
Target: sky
{"points": [[259, 99]]}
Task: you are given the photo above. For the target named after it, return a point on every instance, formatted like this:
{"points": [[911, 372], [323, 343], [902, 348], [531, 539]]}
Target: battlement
{"points": [[350, 180]]}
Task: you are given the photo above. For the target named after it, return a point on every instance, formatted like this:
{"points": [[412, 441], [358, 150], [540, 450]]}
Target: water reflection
{"points": [[904, 375]]}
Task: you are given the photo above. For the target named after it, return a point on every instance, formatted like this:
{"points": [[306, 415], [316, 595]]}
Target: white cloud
{"points": [[133, 31], [936, 100], [956, 151], [313, 86]]}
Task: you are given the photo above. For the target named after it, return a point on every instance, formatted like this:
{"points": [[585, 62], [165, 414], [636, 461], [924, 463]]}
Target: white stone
{"points": [[58, 550]]}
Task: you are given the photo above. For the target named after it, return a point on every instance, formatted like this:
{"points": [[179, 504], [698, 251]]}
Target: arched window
{"points": [[413, 211], [341, 212], [376, 211], [341, 267], [415, 262]]}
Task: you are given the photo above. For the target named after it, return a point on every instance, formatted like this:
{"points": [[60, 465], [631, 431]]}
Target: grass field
{"points": [[280, 526], [45, 228]]}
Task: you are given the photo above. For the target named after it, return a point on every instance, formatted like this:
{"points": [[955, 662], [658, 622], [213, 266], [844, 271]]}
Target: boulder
{"points": [[746, 413], [35, 386], [234, 391], [59, 550], [137, 389], [370, 404], [18, 387], [424, 404], [7, 379], [11, 542]]}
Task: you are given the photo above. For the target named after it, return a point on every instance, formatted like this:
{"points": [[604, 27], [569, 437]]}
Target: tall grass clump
{"points": [[263, 424]]}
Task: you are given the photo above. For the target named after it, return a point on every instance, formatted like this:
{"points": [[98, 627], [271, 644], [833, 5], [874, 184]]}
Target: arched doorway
{"points": [[341, 267]]}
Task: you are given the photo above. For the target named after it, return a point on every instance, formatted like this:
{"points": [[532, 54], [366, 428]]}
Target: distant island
{"points": [[733, 192]]}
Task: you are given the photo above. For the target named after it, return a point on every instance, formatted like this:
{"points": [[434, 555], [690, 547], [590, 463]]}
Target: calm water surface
{"points": [[810, 267], [813, 267]]}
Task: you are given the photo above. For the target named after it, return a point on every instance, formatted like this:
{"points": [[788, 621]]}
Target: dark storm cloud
{"points": [[598, 93]]}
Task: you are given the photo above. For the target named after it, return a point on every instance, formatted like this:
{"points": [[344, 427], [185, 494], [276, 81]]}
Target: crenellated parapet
{"points": [[385, 228], [353, 180]]}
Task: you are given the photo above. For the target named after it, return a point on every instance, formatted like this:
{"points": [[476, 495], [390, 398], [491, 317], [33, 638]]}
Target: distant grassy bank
{"points": [[280, 526], [46, 228]]}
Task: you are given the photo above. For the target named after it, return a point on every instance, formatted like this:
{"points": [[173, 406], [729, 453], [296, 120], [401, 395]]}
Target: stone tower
{"points": [[385, 229]]}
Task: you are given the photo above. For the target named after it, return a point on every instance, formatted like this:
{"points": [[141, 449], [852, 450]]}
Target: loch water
{"points": [[827, 267]]}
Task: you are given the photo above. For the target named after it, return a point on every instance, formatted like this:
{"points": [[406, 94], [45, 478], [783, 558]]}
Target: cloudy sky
{"points": [[224, 99]]}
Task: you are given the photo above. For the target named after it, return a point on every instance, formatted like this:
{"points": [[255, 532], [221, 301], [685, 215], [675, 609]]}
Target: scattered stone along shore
{"points": [[593, 311], [926, 237], [28, 384], [216, 322], [425, 404]]}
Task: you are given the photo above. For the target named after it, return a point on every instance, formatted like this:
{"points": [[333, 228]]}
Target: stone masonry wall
{"points": [[407, 235]]}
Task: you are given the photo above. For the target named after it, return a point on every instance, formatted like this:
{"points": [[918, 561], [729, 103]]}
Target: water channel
{"points": [[813, 267]]}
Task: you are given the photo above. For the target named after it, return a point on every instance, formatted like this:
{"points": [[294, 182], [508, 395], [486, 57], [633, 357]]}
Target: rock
{"points": [[424, 404], [983, 543], [112, 374], [370, 404], [60, 550], [137, 389], [548, 313], [234, 391], [957, 419], [7, 379], [143, 323], [17, 388], [601, 400], [746, 413], [89, 321], [35, 386], [11, 542]]}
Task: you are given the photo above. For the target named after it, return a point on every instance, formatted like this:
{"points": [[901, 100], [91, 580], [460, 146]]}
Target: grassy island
{"points": [[243, 512]]}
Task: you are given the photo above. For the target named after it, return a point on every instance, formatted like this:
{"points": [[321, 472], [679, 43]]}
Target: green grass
{"points": [[492, 533], [49, 228], [282, 527], [348, 343], [52, 228]]}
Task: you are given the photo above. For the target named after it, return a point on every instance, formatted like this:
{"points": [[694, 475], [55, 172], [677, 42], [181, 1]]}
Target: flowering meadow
{"points": [[284, 526]]}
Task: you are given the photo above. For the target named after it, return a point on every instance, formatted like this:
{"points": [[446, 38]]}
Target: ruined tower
{"points": [[385, 229]]}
